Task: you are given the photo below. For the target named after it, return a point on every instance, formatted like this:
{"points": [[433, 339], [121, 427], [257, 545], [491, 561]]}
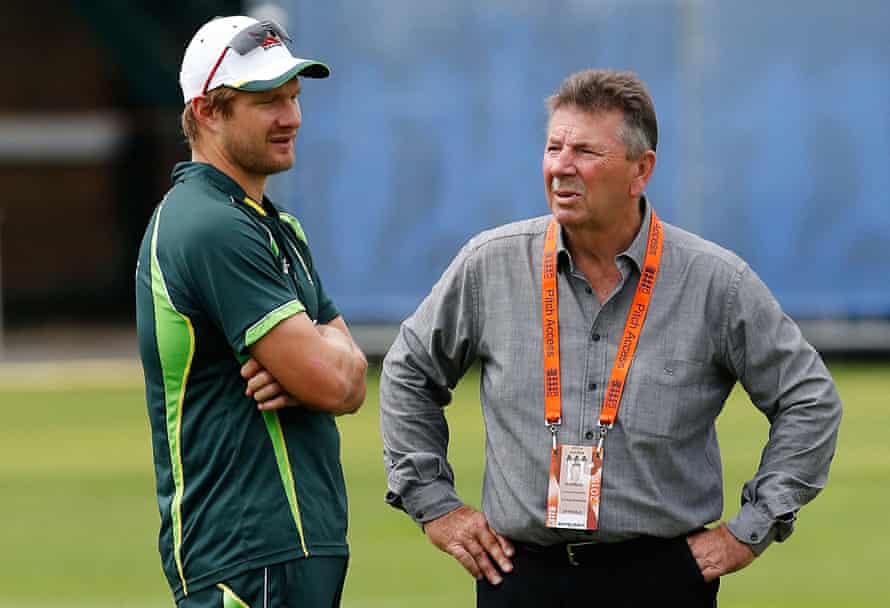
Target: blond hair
{"points": [[218, 100]]}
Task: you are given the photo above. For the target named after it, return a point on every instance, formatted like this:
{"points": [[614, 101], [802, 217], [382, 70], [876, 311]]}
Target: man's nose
{"points": [[562, 163], [291, 116]]}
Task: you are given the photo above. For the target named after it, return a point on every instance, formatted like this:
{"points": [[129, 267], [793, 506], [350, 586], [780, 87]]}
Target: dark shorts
{"points": [[316, 582]]}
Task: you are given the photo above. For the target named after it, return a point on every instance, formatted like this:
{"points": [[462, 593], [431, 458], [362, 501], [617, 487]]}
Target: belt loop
{"points": [[570, 551]]}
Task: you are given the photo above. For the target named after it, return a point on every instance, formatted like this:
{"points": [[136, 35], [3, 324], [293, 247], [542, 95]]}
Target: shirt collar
{"points": [[636, 251], [185, 171]]}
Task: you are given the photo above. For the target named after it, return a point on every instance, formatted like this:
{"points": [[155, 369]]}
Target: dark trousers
{"points": [[638, 573]]}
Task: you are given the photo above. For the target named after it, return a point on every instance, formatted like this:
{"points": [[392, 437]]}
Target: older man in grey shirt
{"points": [[711, 322]]}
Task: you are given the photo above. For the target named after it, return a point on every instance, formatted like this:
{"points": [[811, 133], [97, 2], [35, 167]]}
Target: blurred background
{"points": [[775, 139], [774, 142]]}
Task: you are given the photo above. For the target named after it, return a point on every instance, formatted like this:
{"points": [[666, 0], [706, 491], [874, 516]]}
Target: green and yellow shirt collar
{"points": [[185, 171]]}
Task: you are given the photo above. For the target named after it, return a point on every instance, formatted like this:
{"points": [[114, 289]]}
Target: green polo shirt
{"points": [[237, 488]]}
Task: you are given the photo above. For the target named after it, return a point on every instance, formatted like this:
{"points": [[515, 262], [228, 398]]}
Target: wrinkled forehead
{"points": [[573, 122]]}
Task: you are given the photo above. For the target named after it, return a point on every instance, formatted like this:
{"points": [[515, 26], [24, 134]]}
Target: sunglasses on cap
{"points": [[252, 37]]}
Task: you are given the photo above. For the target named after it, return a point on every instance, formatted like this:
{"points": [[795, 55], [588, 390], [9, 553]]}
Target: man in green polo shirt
{"points": [[246, 358]]}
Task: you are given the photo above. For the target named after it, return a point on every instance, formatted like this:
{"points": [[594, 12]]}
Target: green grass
{"points": [[79, 519]]}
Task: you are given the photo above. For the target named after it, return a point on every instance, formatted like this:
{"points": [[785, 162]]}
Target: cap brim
{"points": [[308, 68]]}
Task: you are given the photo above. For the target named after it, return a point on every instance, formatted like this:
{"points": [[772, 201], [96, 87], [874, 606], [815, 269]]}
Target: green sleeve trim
{"points": [[262, 327]]}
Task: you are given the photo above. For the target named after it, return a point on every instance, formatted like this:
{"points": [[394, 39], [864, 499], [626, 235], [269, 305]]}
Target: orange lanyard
{"points": [[627, 347], [550, 329]]}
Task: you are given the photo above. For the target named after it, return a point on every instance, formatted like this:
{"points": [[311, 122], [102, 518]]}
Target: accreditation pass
{"points": [[573, 497]]}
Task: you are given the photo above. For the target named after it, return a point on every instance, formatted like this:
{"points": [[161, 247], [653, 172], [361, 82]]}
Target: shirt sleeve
{"points": [[239, 281], [433, 350], [787, 381]]}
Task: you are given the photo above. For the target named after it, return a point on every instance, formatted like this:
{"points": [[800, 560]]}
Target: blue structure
{"points": [[774, 135]]}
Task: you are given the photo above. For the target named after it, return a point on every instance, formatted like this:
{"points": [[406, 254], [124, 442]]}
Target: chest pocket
{"points": [[672, 400]]}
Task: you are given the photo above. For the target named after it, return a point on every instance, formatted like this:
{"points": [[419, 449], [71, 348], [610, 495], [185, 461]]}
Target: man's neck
{"points": [[594, 249], [253, 185]]}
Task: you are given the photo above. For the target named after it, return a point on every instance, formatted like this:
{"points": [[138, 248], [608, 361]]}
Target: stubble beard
{"points": [[252, 158]]}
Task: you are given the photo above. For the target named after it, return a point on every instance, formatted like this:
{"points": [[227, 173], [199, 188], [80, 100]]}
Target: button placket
{"points": [[594, 371], [597, 342]]}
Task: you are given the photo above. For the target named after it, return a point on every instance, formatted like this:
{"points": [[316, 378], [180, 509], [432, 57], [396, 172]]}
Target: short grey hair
{"points": [[606, 90]]}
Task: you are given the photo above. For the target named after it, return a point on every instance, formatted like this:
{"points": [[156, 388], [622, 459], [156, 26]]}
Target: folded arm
{"points": [[300, 363]]}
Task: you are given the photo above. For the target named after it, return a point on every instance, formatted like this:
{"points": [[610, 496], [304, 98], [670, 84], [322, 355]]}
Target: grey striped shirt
{"points": [[711, 322]]}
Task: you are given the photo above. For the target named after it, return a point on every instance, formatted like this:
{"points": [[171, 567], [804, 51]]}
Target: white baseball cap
{"points": [[241, 53]]}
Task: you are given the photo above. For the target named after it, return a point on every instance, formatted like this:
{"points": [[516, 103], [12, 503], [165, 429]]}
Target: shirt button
{"points": [[591, 386], [418, 515], [753, 537], [588, 290], [588, 435], [595, 337]]}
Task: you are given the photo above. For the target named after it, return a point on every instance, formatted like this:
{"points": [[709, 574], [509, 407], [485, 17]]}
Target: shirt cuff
{"points": [[758, 530], [427, 502]]}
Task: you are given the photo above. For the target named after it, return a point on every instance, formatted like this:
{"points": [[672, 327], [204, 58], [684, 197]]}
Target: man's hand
{"points": [[718, 552], [264, 388], [465, 535]]}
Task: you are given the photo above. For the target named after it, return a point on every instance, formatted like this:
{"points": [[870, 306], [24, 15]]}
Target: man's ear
{"points": [[204, 114], [643, 171]]}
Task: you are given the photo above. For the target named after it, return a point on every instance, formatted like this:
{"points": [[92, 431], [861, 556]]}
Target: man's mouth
{"points": [[566, 196], [566, 189]]}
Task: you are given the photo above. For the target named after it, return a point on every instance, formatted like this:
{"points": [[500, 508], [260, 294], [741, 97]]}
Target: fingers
{"points": [[466, 535], [250, 368], [466, 559], [717, 552], [475, 560], [271, 396], [267, 392], [699, 550], [263, 387], [488, 539], [259, 381], [274, 404], [506, 546]]}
